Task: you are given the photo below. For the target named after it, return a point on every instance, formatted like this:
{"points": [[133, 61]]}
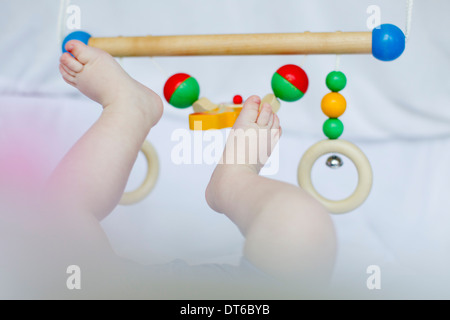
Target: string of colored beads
{"points": [[334, 105]]}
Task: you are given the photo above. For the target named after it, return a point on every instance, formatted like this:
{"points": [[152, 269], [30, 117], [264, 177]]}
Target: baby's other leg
{"points": [[289, 235], [93, 175]]}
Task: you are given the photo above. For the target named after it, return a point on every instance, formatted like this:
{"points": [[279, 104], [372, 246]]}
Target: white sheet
{"points": [[398, 113]]}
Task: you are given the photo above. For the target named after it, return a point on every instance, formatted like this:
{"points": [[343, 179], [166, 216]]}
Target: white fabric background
{"points": [[398, 114]]}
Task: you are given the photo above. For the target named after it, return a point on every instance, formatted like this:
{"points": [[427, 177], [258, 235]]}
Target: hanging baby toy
{"points": [[289, 84]]}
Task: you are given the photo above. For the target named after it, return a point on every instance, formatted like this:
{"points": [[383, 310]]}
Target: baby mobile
{"points": [[289, 83]]}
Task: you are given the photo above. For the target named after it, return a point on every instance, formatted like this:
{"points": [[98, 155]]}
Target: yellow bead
{"points": [[334, 105]]}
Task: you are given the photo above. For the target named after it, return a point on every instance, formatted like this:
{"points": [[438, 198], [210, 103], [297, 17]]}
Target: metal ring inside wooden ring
{"points": [[147, 186], [358, 158]]}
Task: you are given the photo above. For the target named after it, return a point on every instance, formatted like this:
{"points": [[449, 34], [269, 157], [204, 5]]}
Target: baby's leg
{"points": [[93, 175], [288, 234], [89, 182], [86, 186]]}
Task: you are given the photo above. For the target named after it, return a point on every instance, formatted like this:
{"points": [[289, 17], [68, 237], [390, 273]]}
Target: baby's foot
{"points": [[250, 144], [98, 76], [254, 136]]}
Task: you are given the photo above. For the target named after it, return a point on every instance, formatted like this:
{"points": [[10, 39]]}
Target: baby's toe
{"points": [[73, 74], [275, 130], [276, 122], [72, 64], [81, 52], [250, 109], [67, 77], [265, 116]]}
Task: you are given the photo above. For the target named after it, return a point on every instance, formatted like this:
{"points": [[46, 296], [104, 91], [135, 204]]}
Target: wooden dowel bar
{"points": [[237, 44]]}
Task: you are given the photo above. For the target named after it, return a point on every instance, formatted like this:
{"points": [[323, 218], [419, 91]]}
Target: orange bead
{"points": [[334, 105]]}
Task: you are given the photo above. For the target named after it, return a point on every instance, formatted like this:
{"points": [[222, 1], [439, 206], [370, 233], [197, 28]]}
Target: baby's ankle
{"points": [[146, 106], [223, 182]]}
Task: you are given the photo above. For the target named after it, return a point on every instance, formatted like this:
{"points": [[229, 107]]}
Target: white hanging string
{"points": [[305, 57], [338, 62], [61, 28], [409, 12], [160, 68]]}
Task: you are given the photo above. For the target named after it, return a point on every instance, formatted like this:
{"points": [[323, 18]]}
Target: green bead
{"points": [[285, 90], [333, 128], [186, 94], [336, 81]]}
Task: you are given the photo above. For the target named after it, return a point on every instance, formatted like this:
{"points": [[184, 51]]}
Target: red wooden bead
{"points": [[238, 99], [173, 83], [296, 76]]}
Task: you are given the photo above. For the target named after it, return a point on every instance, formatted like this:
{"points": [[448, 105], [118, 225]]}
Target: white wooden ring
{"points": [[149, 183], [358, 158]]}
